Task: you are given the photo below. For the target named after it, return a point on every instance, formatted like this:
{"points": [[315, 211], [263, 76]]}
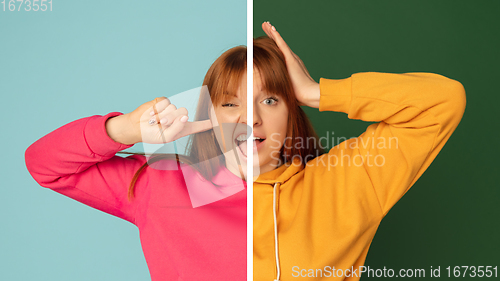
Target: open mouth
{"points": [[241, 142]]}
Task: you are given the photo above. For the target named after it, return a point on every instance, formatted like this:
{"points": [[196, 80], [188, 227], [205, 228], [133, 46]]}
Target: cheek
{"points": [[226, 116], [276, 122], [218, 116], [279, 130], [283, 121]]}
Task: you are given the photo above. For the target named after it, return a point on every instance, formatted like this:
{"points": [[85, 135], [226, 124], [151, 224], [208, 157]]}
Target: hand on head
{"points": [[306, 89]]}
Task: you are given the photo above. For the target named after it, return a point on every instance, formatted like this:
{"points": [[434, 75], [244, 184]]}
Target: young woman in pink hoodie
{"points": [[190, 209]]}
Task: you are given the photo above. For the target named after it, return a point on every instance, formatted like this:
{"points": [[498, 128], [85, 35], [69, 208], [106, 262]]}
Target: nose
{"points": [[243, 115], [256, 117]]}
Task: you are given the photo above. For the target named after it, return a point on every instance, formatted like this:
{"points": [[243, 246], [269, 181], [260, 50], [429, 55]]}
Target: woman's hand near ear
{"points": [[306, 89], [169, 124]]}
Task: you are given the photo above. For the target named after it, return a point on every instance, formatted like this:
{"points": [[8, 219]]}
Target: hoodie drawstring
{"points": [[276, 186]]}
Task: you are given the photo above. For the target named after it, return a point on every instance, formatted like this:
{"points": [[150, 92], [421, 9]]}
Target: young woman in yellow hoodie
{"points": [[316, 215]]}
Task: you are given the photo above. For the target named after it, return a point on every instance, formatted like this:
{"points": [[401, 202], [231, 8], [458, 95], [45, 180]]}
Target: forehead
{"points": [[240, 91], [242, 88], [258, 86], [236, 89]]}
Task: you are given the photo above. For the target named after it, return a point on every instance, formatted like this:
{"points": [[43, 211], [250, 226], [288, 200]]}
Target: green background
{"points": [[450, 217], [81, 59]]}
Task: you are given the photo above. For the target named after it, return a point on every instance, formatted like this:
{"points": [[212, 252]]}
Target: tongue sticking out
{"points": [[243, 147]]}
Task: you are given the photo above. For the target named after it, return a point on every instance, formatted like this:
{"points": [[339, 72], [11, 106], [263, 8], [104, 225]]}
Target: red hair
{"points": [[222, 80], [270, 63]]}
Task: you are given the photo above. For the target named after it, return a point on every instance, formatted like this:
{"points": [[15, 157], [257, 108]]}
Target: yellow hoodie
{"points": [[326, 213]]}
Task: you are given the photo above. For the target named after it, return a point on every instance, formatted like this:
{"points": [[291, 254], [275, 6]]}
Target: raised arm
{"points": [[417, 113], [78, 160]]}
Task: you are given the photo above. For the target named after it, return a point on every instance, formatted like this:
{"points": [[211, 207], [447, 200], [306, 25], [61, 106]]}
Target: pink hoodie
{"points": [[180, 242]]}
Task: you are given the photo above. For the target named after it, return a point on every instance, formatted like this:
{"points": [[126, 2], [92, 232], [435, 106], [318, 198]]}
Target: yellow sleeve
{"points": [[417, 113]]}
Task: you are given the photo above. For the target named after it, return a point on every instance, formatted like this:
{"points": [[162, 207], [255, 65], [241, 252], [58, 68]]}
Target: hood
{"points": [[280, 174]]}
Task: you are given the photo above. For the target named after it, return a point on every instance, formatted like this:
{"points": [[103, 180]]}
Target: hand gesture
{"points": [[306, 89], [157, 121]]}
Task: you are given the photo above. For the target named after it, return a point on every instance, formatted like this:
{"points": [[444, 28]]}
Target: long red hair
{"points": [[270, 63], [222, 80]]}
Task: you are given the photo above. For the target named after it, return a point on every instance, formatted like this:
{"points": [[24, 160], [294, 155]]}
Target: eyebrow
{"points": [[230, 94]]}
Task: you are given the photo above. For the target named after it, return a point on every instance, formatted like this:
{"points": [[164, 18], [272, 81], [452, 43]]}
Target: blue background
{"points": [[85, 58]]}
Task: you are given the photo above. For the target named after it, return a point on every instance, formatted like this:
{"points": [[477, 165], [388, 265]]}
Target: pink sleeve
{"points": [[78, 160]]}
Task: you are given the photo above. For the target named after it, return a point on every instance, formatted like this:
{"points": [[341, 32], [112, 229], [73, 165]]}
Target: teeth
{"points": [[244, 138]]}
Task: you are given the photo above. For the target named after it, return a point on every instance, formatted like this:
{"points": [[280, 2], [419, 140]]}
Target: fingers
{"points": [[150, 113], [267, 29], [173, 121], [159, 105], [168, 115], [274, 34], [173, 132], [180, 129], [164, 112], [195, 127], [290, 57]]}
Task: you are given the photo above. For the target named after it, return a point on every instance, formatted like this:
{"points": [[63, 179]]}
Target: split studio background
{"points": [[450, 216], [85, 58]]}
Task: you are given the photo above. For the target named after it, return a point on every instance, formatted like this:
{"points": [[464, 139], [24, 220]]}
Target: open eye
{"points": [[270, 101], [229, 105]]}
